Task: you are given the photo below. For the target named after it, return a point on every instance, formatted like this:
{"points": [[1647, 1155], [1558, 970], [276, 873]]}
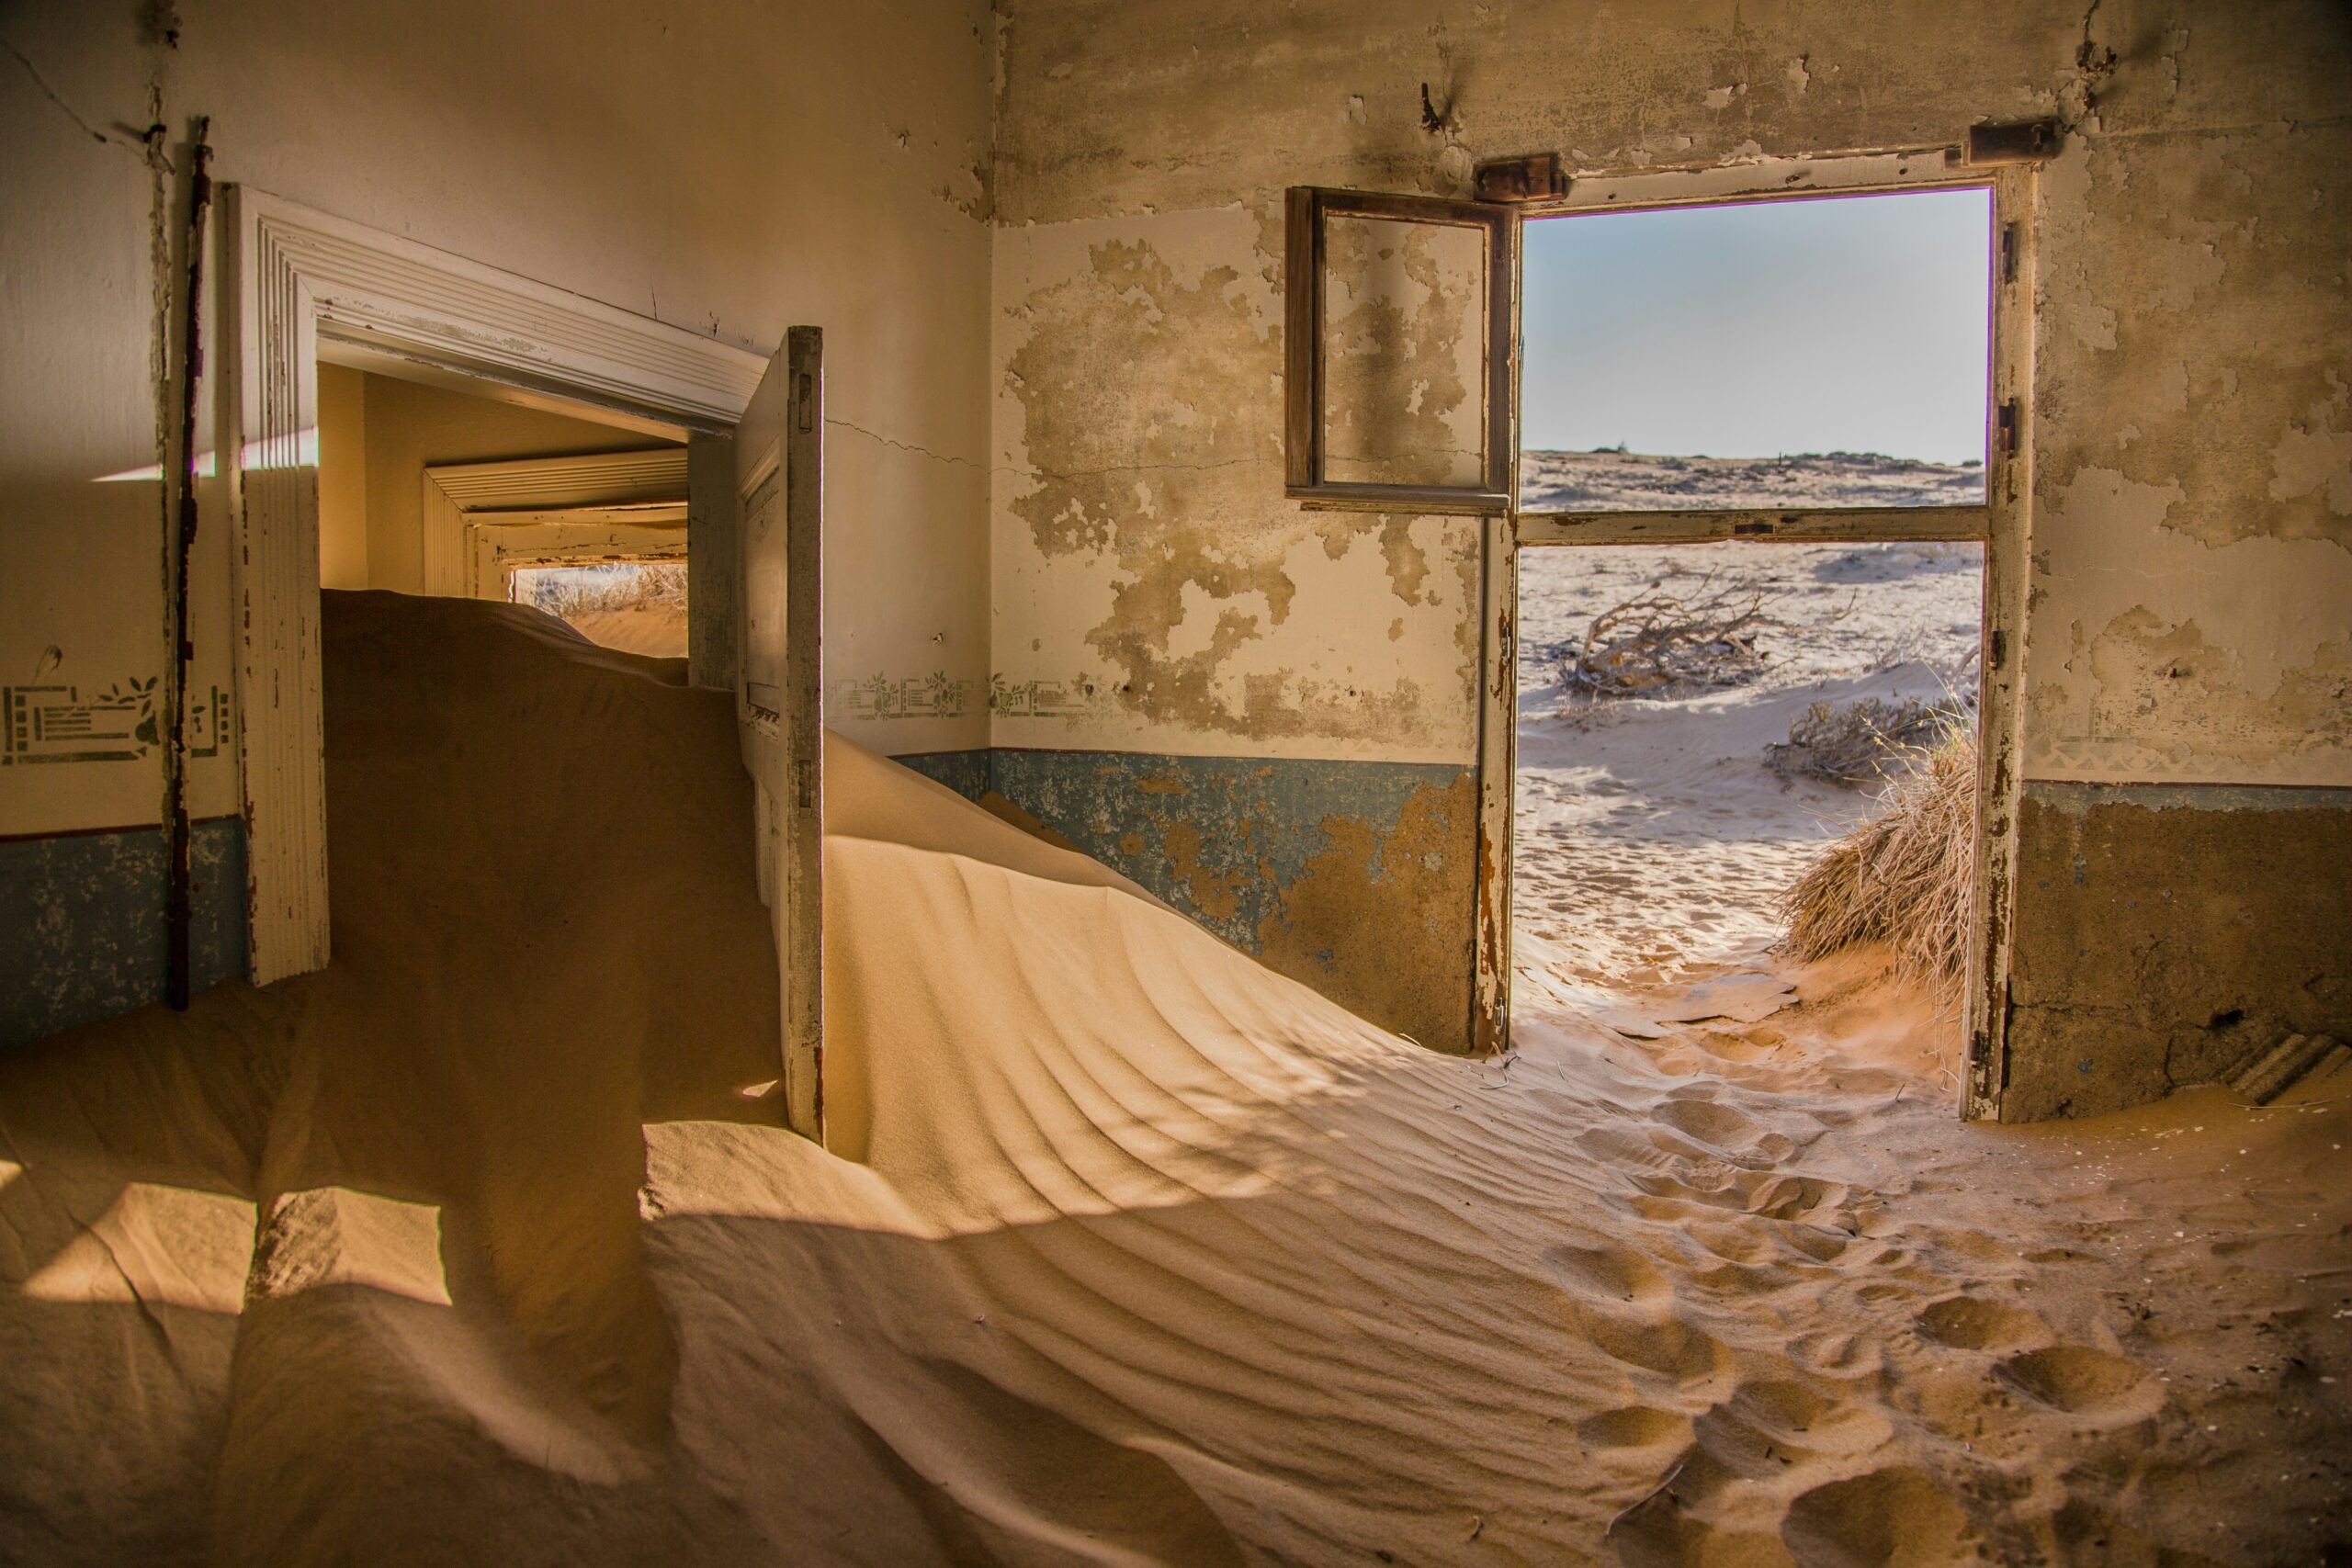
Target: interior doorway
{"points": [[1750, 602], [446, 486]]}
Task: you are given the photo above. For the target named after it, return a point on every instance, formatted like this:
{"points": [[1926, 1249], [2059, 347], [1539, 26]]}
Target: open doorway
{"points": [[447, 485], [1752, 601]]}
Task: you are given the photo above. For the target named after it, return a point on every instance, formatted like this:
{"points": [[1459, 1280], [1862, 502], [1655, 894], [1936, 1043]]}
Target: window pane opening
{"points": [[1795, 355]]}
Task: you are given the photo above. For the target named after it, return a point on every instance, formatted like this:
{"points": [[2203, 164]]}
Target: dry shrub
{"points": [[1656, 644], [652, 586], [1866, 742], [1904, 877]]}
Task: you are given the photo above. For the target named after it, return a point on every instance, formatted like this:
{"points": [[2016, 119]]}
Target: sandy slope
{"points": [[1152, 1255], [655, 632]]}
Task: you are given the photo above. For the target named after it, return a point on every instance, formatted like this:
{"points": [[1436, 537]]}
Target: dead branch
{"points": [[1661, 644]]}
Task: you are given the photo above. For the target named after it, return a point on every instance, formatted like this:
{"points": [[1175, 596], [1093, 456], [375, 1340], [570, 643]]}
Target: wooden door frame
{"points": [[291, 276], [2003, 522]]}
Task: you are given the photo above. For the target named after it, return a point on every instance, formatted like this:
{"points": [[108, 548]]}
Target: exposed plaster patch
{"points": [[1150, 493], [2316, 455], [2172, 393], [1400, 900], [2183, 659]]}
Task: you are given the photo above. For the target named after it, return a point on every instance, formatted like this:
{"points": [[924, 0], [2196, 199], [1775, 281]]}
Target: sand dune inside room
{"points": [[1127, 1249]]}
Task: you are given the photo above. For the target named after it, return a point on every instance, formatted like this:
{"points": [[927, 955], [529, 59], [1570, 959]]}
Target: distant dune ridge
{"points": [[1623, 481]]}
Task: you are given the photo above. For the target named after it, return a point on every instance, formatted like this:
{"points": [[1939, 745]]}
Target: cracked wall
{"points": [[2190, 617]]}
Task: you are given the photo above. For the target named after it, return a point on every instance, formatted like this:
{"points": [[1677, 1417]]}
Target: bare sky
{"points": [[1855, 325]]}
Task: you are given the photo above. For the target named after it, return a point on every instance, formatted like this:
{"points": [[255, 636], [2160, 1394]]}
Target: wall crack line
{"points": [[112, 139]]}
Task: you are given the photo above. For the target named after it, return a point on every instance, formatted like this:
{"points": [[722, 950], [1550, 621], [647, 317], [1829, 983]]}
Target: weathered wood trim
{"points": [[289, 274], [1887, 523], [1302, 341], [1307, 211], [1337, 496], [2000, 705], [267, 423], [1827, 175], [1497, 768], [804, 809], [1491, 1010]]}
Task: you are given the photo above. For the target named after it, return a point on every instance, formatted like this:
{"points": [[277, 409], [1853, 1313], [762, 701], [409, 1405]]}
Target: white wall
{"points": [[734, 167]]}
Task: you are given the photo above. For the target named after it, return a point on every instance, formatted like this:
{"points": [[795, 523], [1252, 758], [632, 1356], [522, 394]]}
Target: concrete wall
{"points": [[2192, 584], [2179, 931], [733, 168]]}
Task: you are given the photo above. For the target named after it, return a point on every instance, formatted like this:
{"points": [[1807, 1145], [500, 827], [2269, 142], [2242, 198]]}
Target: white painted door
{"points": [[779, 484]]}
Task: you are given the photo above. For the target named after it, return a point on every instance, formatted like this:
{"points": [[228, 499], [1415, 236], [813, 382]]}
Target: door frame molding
{"points": [[294, 274], [2003, 522]]}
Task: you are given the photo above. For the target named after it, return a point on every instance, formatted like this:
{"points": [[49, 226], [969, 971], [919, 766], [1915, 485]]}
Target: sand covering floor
{"points": [[484, 1245]]}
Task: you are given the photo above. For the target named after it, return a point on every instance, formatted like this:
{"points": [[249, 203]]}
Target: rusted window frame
{"points": [[1310, 210]]}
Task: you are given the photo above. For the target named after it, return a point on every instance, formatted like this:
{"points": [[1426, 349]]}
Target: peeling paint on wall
{"points": [[83, 914], [2174, 657], [1148, 569], [1347, 876]]}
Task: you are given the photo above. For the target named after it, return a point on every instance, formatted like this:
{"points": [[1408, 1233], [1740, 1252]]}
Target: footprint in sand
{"points": [[2086, 1382], [1973, 1322], [1836, 1352], [1662, 1344], [1607, 1274], [1709, 1121], [1895, 1514], [1774, 1425]]}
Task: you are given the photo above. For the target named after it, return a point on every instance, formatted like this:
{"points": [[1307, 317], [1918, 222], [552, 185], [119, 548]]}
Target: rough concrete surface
{"points": [[2177, 934]]}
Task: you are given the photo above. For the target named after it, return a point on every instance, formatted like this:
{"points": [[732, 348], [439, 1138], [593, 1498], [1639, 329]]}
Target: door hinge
{"points": [[2005, 426], [1535, 177], [2008, 252]]}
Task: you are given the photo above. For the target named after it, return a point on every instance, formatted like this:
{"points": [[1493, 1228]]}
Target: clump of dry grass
{"points": [[1904, 877], [1866, 742]]}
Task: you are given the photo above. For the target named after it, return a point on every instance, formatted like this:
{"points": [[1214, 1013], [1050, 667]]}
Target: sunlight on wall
{"points": [[254, 456]]}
